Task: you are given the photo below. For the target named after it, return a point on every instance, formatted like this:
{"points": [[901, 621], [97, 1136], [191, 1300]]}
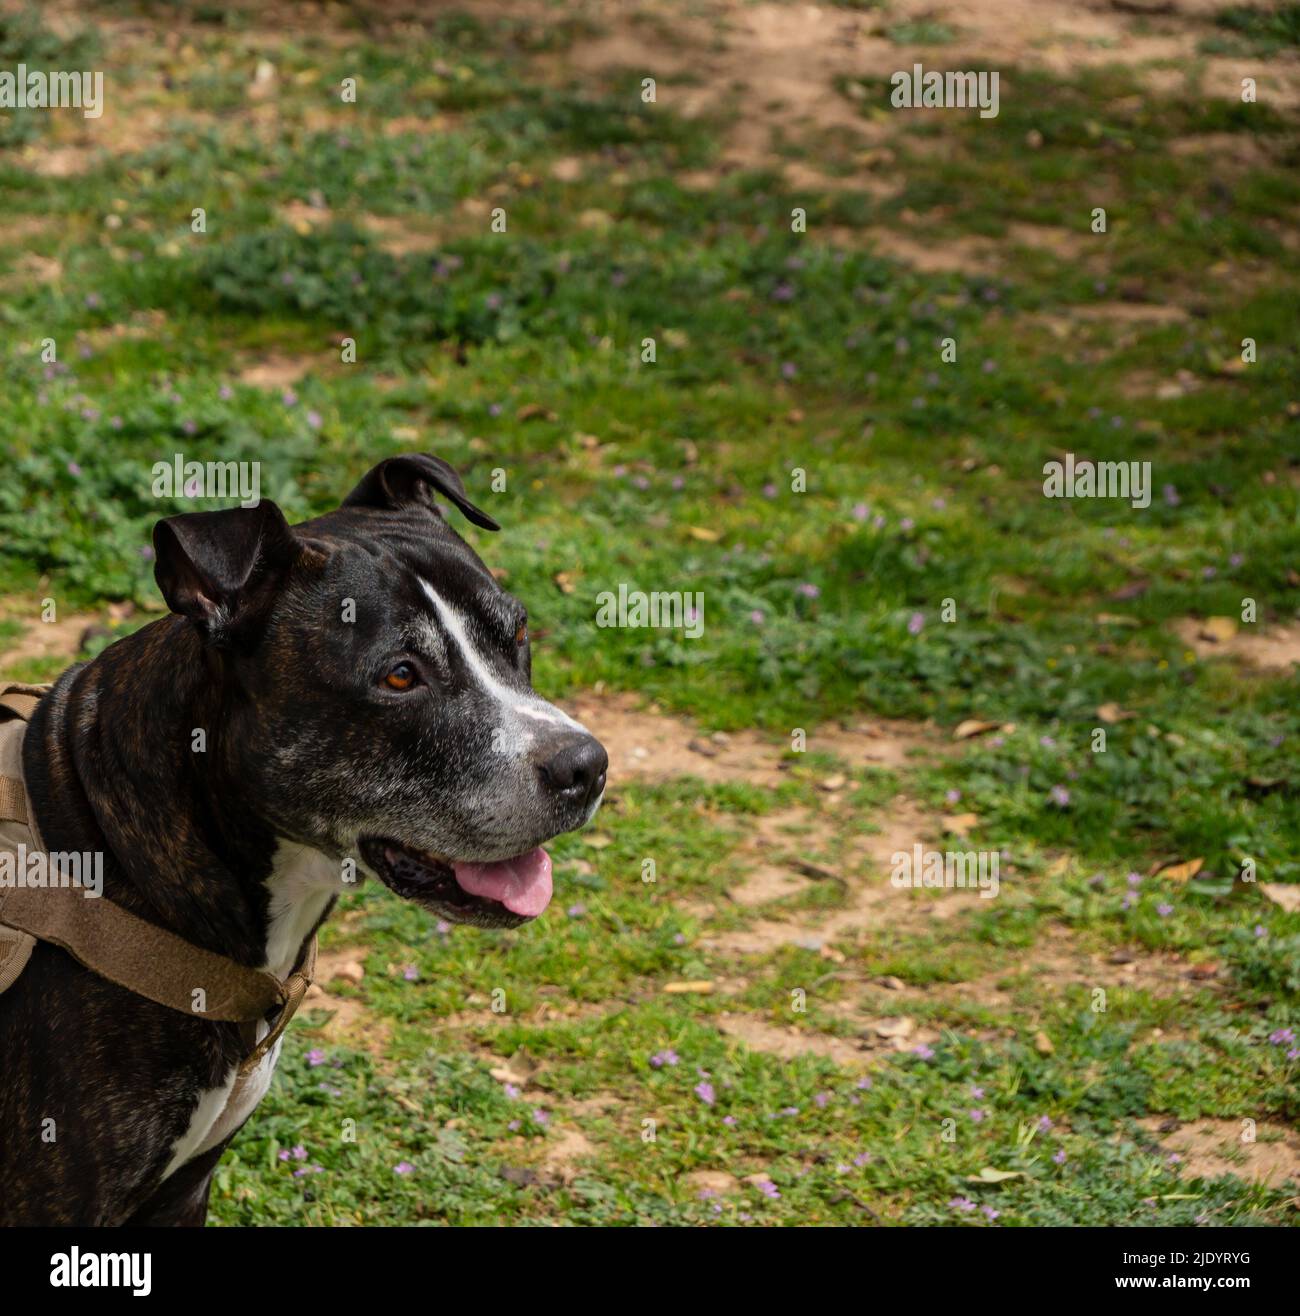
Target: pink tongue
{"points": [[521, 884]]}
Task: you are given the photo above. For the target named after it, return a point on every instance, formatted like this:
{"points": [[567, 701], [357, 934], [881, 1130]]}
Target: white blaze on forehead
{"points": [[524, 704]]}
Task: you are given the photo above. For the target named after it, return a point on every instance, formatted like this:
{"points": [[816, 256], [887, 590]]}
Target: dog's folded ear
{"points": [[221, 569], [409, 481]]}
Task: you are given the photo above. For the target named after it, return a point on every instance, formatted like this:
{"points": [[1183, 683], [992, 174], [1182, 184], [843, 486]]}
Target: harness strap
{"points": [[13, 801], [295, 989], [22, 699], [139, 955]]}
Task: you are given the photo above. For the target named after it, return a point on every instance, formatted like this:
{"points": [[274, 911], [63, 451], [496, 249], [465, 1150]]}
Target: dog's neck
{"points": [[113, 764]]}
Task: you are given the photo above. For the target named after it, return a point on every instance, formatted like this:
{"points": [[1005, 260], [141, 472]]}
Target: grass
{"points": [[797, 446]]}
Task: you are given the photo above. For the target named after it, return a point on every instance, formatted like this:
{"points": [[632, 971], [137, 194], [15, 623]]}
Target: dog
{"points": [[352, 693]]}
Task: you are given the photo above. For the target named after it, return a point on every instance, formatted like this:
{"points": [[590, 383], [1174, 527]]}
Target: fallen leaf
{"points": [[972, 727], [1285, 894], [1217, 629], [901, 1027], [535, 411], [597, 840], [833, 784], [697, 987], [989, 1175], [1114, 713], [1043, 1044], [703, 532], [960, 824], [519, 1069], [1182, 872], [564, 579]]}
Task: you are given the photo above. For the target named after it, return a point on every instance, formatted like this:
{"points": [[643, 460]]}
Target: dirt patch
{"points": [[350, 1021], [60, 161], [1210, 1148], [1147, 384], [566, 1149], [1121, 322], [1239, 150], [958, 254], [782, 69], [403, 236], [1274, 650], [871, 901], [647, 745], [1129, 313], [277, 370], [710, 1183], [788, 1041], [54, 639], [1063, 243], [1058, 963]]}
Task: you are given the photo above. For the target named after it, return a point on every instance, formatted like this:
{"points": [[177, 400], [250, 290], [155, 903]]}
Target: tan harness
{"points": [[113, 942]]}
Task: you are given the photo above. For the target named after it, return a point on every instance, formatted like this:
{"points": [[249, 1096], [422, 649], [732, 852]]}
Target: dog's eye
{"points": [[402, 677], [521, 635]]}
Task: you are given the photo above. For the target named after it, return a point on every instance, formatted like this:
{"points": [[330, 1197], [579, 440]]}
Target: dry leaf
{"points": [[1114, 713], [989, 1175], [564, 579], [519, 1069], [1043, 1044], [1182, 872], [535, 411], [901, 1027], [960, 824], [1285, 894], [699, 987], [972, 727], [1218, 629], [597, 840], [703, 532]]}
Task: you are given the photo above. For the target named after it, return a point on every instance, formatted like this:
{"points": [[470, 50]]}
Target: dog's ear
{"points": [[221, 569], [410, 481]]}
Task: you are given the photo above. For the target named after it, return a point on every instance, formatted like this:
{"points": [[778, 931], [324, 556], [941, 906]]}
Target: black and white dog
{"points": [[364, 689]]}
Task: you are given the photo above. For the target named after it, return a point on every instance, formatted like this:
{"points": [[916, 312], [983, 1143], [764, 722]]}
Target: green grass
{"points": [[799, 450]]}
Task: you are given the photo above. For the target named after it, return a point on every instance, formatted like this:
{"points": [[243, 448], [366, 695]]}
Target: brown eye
{"points": [[402, 677], [521, 635]]}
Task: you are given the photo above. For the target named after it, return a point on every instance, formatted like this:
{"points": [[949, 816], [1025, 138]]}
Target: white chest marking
{"points": [[300, 886]]}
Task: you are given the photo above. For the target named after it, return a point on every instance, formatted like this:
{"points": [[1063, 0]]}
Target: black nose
{"points": [[576, 772]]}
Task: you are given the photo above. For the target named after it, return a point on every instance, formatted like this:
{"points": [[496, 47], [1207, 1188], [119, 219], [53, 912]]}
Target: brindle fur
{"points": [[301, 746]]}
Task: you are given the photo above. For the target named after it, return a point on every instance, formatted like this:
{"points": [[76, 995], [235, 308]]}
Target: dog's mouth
{"points": [[501, 894]]}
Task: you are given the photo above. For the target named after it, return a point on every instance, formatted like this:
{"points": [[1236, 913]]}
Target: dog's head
{"points": [[376, 691]]}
